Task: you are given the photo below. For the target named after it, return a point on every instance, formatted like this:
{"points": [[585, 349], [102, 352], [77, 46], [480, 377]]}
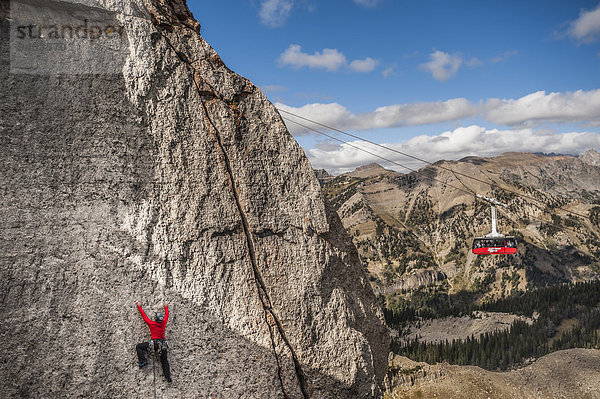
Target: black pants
{"points": [[143, 347]]}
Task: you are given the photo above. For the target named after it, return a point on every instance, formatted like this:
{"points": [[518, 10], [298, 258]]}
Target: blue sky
{"points": [[436, 78]]}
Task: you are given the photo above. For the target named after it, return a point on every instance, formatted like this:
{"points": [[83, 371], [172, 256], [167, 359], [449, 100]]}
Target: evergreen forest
{"points": [[564, 316]]}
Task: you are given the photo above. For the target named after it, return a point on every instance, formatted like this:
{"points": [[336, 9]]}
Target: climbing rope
{"points": [[154, 365]]}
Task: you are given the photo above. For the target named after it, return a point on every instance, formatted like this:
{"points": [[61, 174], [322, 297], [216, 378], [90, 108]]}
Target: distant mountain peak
{"points": [[322, 175], [372, 169], [472, 159], [373, 165], [591, 157]]}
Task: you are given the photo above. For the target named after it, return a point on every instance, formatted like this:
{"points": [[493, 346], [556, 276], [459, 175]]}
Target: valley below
{"points": [[458, 328]]}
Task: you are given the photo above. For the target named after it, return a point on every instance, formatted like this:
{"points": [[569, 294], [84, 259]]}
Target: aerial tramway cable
{"points": [[378, 156], [414, 157], [465, 190], [496, 245], [493, 243]]}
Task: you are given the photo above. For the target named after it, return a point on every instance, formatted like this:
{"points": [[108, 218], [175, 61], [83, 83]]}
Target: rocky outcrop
{"points": [[569, 374], [323, 176], [416, 279], [146, 170], [591, 157]]}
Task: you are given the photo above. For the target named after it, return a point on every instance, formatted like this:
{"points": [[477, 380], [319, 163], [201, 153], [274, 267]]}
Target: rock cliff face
{"points": [[159, 174]]}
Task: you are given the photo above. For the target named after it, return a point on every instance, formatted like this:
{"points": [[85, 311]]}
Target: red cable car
{"points": [[494, 243], [495, 246]]}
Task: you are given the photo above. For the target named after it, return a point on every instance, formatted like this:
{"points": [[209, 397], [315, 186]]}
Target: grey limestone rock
{"points": [[591, 157], [137, 166]]}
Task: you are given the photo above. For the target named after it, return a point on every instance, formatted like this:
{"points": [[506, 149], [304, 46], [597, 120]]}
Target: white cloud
{"points": [[387, 72], [474, 62], [332, 114], [336, 115], [366, 65], [367, 3], [504, 56], [329, 59], [586, 28], [423, 113], [455, 144], [274, 13], [441, 65], [532, 110], [539, 107]]}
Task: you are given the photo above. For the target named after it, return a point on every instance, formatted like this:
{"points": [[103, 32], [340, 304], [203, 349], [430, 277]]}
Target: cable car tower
{"points": [[494, 243]]}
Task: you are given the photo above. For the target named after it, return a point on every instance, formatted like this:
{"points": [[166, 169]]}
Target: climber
{"points": [[157, 335]]}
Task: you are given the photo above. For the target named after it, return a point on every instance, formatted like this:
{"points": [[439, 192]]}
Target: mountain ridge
{"points": [[433, 222]]}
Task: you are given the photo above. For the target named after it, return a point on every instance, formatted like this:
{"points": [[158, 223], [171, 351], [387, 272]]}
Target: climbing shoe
{"points": [[142, 364], [169, 379]]}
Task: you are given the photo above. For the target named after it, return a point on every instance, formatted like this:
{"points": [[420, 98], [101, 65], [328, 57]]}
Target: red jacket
{"points": [[157, 330]]}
